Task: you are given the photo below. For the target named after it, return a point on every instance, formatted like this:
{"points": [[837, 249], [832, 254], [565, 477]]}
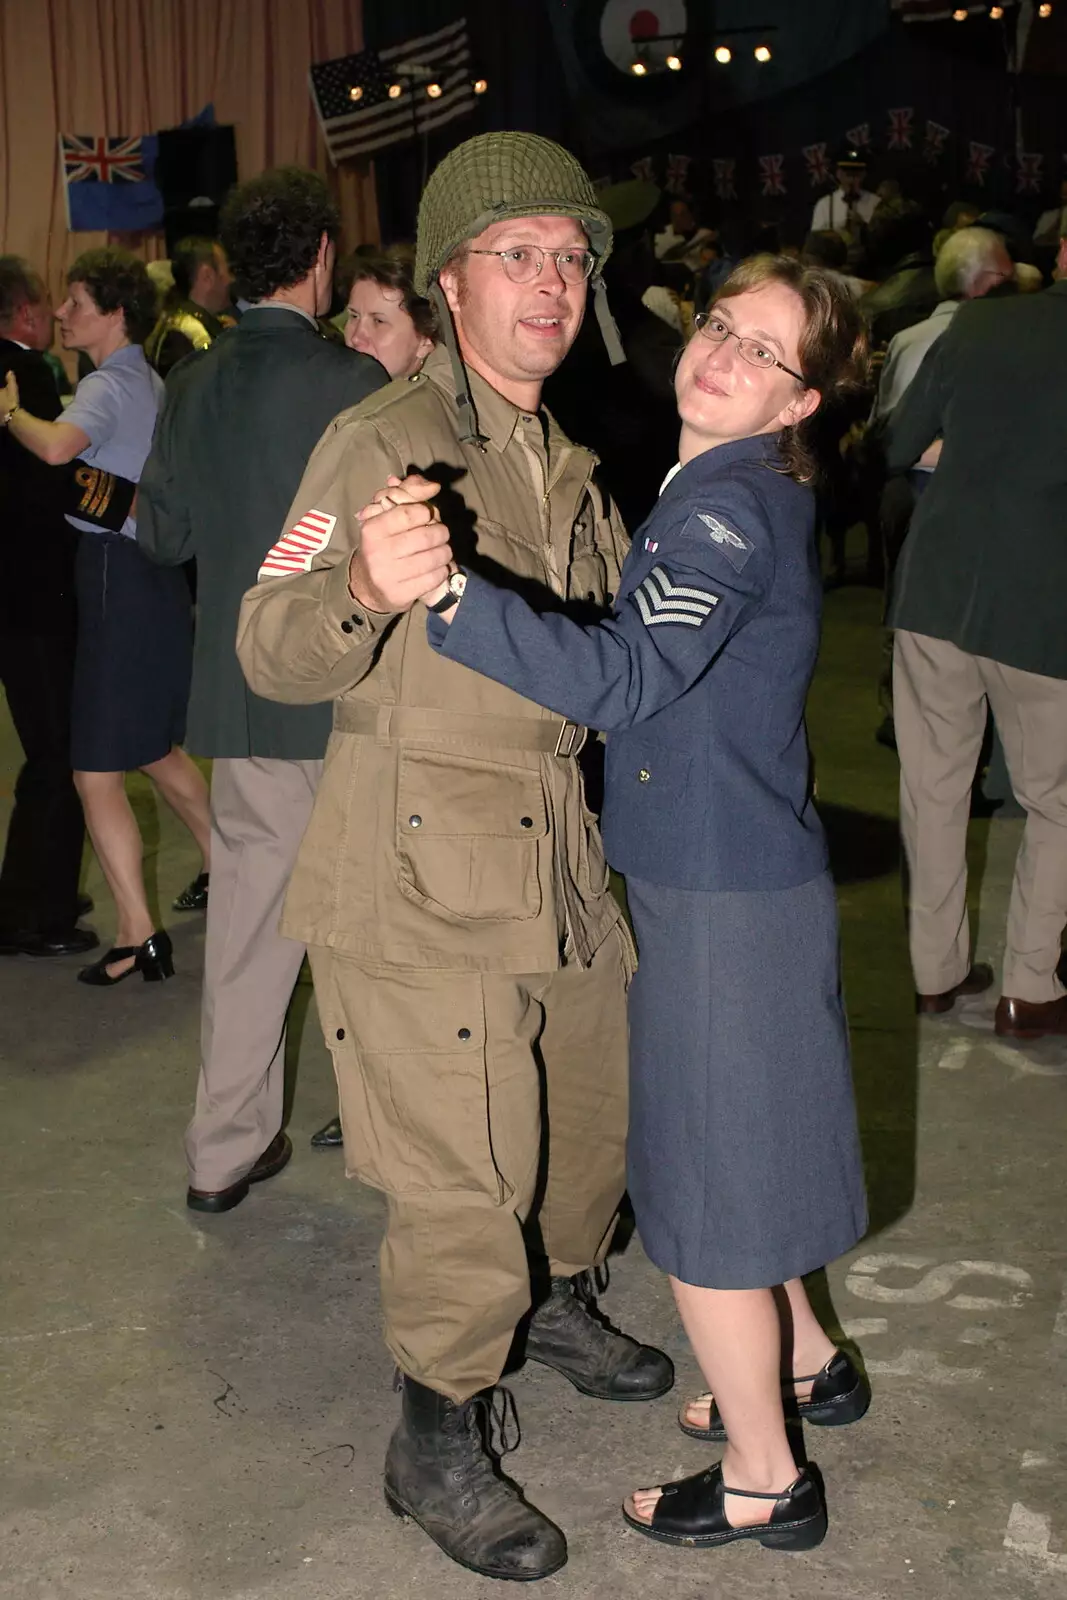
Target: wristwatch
{"points": [[5, 420], [453, 594]]}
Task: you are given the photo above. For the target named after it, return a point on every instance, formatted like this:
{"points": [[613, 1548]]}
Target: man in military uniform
{"points": [[195, 310], [470, 962]]}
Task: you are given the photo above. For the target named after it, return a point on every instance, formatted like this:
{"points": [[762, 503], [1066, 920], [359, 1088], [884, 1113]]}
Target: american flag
{"points": [[374, 121], [101, 160], [295, 550]]}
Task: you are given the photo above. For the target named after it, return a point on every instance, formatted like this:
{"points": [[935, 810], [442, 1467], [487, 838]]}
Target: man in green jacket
{"points": [[239, 423]]}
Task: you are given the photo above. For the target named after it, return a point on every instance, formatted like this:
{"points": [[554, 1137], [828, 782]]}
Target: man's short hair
{"points": [[20, 285], [825, 247], [963, 257], [188, 256], [271, 228]]}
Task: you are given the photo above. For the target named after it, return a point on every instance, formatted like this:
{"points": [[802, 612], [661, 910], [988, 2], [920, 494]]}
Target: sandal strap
{"points": [[754, 1494], [118, 953]]}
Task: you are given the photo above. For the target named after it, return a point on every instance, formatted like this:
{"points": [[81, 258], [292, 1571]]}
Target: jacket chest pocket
{"points": [[472, 837]]}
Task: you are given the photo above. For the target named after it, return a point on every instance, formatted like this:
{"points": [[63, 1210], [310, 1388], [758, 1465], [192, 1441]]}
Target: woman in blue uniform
{"points": [[744, 1163], [134, 649]]}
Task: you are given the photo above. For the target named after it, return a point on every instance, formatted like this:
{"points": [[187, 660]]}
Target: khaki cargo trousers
{"points": [[483, 1105]]}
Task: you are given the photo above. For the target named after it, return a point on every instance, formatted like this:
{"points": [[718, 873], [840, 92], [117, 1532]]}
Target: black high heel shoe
{"points": [[692, 1511], [154, 960], [840, 1394]]}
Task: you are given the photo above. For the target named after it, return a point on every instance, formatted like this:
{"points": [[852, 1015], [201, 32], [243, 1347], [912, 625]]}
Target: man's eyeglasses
{"points": [[752, 351], [524, 262]]}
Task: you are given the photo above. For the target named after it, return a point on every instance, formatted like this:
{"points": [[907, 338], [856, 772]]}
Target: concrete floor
{"points": [[197, 1408]]}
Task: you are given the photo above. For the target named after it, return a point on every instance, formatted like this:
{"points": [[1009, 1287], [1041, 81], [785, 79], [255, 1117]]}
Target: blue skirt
{"points": [[744, 1163], [134, 656]]}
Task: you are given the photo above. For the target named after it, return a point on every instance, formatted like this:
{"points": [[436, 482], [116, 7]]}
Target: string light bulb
{"points": [[395, 91], [638, 68], [960, 14], [1044, 10], [480, 85], [434, 91], [996, 12], [356, 92], [762, 53], [674, 63]]}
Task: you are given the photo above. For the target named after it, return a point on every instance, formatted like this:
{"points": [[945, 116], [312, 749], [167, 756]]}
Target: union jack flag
{"points": [[108, 182], [772, 177], [644, 170], [934, 143], [819, 170], [723, 170], [978, 164], [102, 160], [860, 135], [677, 180], [1028, 179], [900, 127]]}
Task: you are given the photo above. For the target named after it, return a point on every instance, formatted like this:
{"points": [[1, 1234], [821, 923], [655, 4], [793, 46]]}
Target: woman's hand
{"points": [[9, 395]]}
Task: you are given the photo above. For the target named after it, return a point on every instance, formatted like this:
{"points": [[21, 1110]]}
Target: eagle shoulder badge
{"points": [[734, 546]]}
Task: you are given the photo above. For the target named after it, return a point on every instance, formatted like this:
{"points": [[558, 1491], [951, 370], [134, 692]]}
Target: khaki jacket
{"points": [[450, 830]]}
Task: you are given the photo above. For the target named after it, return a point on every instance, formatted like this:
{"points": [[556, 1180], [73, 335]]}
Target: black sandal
{"points": [[840, 1393], [692, 1512], [154, 960]]}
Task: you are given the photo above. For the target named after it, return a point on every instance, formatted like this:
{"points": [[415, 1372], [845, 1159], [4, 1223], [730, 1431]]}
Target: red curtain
{"points": [[134, 66]]}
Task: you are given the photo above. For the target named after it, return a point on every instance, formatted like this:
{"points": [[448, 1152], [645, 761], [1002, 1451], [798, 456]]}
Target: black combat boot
{"points": [[568, 1333], [438, 1471]]}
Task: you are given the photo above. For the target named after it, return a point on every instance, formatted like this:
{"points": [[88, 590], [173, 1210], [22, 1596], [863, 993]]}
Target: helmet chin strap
{"points": [[469, 432], [608, 330]]}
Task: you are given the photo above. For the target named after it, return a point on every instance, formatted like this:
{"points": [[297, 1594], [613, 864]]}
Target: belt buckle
{"points": [[571, 733]]}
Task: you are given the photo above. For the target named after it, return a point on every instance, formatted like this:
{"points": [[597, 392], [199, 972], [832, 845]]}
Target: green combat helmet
{"points": [[490, 178]]}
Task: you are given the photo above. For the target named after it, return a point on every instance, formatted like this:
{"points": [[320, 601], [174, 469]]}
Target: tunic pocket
{"points": [[471, 837]]}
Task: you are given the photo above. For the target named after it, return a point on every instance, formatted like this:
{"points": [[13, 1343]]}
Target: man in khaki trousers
{"points": [[239, 422], [978, 613]]}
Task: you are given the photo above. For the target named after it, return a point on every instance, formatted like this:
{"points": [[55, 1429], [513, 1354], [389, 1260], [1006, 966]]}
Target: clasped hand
{"points": [[404, 553]]}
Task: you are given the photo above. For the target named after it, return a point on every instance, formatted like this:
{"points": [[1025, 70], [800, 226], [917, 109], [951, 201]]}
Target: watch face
{"points": [[458, 583]]}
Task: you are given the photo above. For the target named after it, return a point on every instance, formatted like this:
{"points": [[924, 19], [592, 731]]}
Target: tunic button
{"points": [[526, 822], [340, 1033], [464, 1034], [346, 627], [644, 775], [415, 822], [357, 621]]}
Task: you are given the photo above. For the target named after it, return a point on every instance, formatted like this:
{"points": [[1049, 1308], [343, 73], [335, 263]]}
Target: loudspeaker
{"points": [[195, 164], [200, 222]]}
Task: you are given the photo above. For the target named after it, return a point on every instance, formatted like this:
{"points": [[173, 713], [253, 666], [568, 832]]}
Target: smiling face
{"points": [[722, 396], [379, 326], [516, 334]]}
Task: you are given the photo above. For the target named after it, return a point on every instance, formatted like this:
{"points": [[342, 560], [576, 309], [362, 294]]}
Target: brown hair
{"points": [[833, 345], [394, 268], [118, 281]]}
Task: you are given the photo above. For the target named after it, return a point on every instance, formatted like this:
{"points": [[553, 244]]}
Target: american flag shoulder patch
{"points": [[296, 549]]}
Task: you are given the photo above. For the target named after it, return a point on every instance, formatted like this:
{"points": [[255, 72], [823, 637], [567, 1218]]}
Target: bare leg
{"points": [[806, 1348], [736, 1336], [116, 839], [182, 785]]}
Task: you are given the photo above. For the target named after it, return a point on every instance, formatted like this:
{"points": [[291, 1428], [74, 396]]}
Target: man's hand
{"points": [[404, 551]]}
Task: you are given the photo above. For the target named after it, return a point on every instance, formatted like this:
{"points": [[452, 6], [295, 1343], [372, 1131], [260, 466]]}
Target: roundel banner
{"points": [[609, 34]]}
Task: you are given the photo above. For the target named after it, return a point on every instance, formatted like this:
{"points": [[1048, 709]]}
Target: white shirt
{"points": [[833, 209], [905, 355]]}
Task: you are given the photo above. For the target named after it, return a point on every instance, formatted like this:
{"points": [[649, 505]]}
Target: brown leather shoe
{"points": [[1029, 1019], [977, 981], [274, 1158]]}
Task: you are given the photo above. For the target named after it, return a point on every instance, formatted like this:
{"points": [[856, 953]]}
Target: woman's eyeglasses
{"points": [[752, 351]]}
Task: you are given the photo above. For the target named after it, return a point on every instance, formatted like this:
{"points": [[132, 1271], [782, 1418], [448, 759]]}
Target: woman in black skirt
{"points": [[134, 648], [744, 1162]]}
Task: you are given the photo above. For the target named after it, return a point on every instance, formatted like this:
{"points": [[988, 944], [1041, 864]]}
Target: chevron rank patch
{"points": [[734, 546], [660, 599], [296, 549]]}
